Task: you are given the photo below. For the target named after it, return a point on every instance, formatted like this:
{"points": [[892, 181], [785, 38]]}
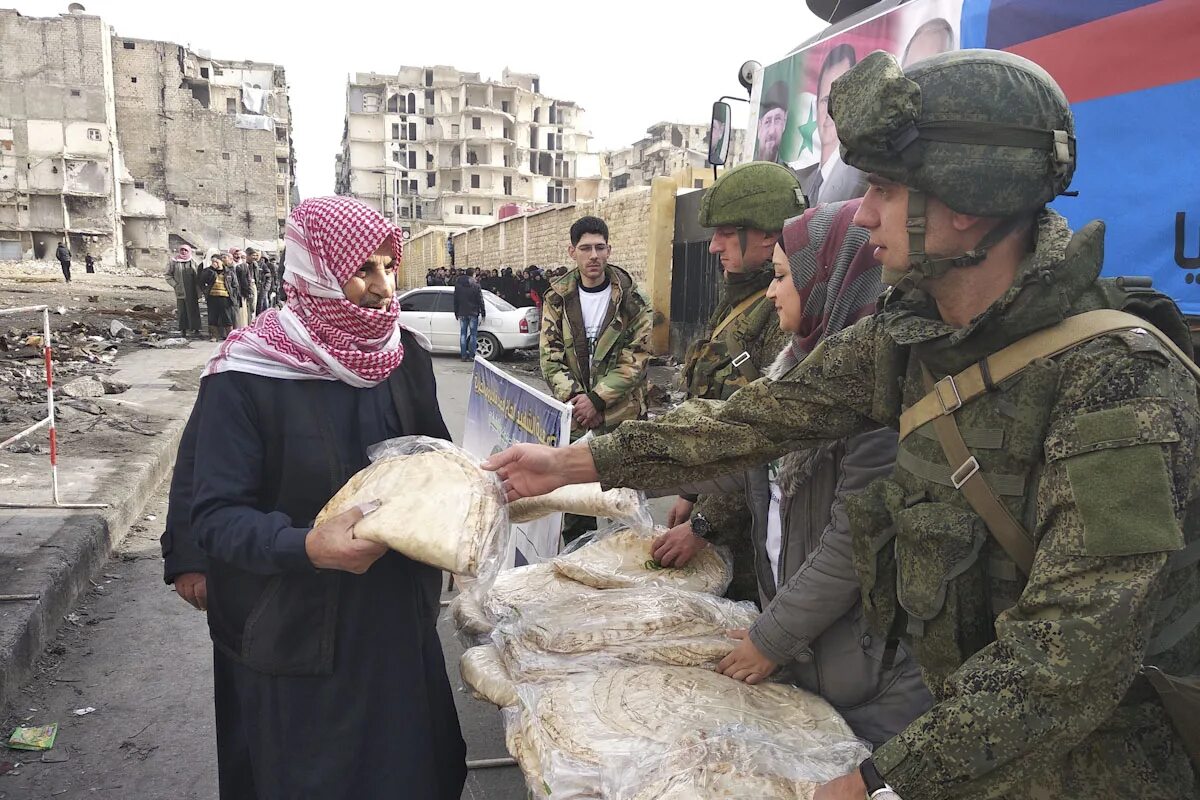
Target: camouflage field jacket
{"points": [[614, 376], [1035, 678]]}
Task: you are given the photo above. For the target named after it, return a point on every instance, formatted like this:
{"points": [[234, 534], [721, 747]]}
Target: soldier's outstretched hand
{"points": [[529, 470]]}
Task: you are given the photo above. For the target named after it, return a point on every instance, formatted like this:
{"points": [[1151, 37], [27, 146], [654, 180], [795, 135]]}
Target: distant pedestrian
{"points": [[450, 249], [220, 287], [89, 263], [181, 274], [469, 309], [64, 260], [235, 263]]}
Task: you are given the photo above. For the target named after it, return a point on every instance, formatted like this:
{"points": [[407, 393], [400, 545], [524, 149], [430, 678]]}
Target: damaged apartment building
{"points": [[437, 146], [130, 147], [669, 150]]}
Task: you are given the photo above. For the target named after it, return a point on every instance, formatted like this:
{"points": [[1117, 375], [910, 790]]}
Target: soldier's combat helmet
{"points": [[758, 194], [988, 133]]}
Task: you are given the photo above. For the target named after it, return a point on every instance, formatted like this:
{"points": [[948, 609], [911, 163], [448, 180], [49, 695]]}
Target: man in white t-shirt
{"points": [[595, 335]]}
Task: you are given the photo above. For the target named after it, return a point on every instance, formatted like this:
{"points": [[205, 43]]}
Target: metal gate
{"points": [[695, 275]]}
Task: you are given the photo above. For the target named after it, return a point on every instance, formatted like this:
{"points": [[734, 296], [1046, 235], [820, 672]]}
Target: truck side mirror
{"points": [[719, 134]]}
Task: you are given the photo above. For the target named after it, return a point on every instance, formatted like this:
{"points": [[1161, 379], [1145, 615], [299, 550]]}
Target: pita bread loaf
{"points": [[482, 670], [467, 615], [618, 627], [438, 508], [584, 499], [535, 584], [584, 722], [623, 560], [726, 781]]}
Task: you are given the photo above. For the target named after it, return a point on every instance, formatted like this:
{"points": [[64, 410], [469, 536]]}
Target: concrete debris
{"points": [[118, 328], [89, 386], [114, 387]]}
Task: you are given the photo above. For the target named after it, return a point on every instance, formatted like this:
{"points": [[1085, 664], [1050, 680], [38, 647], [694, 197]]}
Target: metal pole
{"points": [[24, 433], [491, 763]]}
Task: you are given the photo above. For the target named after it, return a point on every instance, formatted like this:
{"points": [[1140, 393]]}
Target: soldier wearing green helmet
{"points": [[1038, 542], [746, 208]]}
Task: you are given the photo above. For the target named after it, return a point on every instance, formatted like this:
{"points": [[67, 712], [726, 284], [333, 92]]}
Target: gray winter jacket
{"points": [[813, 624]]}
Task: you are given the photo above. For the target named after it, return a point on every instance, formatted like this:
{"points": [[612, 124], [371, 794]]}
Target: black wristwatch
{"points": [[877, 787], [701, 526]]}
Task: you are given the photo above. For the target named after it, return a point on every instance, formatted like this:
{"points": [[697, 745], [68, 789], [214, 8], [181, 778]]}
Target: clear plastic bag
{"points": [[732, 763], [620, 558], [577, 730], [437, 505], [619, 627], [535, 584], [624, 506], [470, 623], [483, 671]]}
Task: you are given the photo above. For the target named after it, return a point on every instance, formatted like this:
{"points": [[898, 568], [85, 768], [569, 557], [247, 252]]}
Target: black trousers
{"points": [[66, 268]]}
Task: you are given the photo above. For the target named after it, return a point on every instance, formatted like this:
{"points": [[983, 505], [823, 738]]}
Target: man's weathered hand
{"points": [[847, 787], [585, 412], [746, 662], [681, 512], [677, 547], [193, 588], [529, 470], [331, 545]]}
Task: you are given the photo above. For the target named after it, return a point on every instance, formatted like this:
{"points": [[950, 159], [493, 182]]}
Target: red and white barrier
{"points": [[48, 421]]}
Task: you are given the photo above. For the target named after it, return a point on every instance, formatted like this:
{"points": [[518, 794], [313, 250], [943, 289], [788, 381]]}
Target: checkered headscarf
{"points": [[319, 334]]}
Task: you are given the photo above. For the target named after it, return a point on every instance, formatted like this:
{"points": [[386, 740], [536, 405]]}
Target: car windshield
{"points": [[499, 302]]}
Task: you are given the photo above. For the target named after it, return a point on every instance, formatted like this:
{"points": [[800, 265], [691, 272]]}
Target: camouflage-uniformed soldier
{"points": [[746, 208], [600, 369], [1045, 679]]}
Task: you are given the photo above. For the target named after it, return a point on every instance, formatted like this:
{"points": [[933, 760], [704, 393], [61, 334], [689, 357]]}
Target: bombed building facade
{"points": [[128, 148]]}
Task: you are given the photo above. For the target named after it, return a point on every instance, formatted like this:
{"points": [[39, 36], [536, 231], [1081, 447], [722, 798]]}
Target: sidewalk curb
{"points": [[84, 542]]}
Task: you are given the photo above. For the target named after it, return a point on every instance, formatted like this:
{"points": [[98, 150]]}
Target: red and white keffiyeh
{"points": [[319, 334]]}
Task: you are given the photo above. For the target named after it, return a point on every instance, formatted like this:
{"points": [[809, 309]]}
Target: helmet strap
{"points": [[743, 241], [922, 266]]}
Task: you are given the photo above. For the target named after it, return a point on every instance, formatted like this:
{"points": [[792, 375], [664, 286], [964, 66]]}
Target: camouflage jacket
{"points": [[708, 372], [614, 377], [1035, 680]]}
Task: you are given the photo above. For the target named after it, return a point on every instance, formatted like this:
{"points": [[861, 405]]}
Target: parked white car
{"points": [[430, 310]]}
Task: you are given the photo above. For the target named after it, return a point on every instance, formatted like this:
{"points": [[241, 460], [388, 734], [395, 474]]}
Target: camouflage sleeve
{"points": [[1109, 505], [849, 384], [629, 371], [553, 351]]}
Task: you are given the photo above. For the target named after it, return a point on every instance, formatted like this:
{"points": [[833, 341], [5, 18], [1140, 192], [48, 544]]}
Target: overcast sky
{"points": [[630, 63]]}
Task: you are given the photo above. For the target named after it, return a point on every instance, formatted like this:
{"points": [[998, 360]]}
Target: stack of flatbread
{"points": [[623, 559], [618, 627], [438, 508], [584, 499], [535, 584], [575, 726], [484, 672], [726, 781]]}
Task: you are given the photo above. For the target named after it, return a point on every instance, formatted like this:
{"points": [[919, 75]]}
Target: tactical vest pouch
{"points": [[870, 515], [1180, 698], [940, 583]]}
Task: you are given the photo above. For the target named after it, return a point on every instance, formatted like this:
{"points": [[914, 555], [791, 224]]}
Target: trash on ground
{"points": [[39, 737]]}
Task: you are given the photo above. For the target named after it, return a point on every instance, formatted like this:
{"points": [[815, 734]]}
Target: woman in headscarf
{"points": [[812, 626], [220, 288], [329, 675]]}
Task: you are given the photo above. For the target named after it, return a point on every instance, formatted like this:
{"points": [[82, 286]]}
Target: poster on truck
{"points": [[1130, 69], [503, 411]]}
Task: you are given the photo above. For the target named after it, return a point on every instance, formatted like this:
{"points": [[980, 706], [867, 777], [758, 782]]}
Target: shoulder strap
{"points": [[737, 312], [952, 392], [968, 479]]}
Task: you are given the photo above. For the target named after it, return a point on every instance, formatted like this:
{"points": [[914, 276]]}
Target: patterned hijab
{"points": [[319, 334], [833, 268]]}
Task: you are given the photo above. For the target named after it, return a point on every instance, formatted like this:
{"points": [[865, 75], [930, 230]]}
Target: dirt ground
{"points": [[95, 321]]}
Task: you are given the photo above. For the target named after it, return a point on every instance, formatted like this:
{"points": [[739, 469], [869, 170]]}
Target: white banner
{"points": [[503, 411]]}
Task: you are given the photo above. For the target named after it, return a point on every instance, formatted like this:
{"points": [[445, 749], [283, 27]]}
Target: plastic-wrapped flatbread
{"points": [[726, 781], [437, 507], [622, 560], [467, 615], [584, 723], [535, 584], [586, 500], [482, 670], [619, 627]]}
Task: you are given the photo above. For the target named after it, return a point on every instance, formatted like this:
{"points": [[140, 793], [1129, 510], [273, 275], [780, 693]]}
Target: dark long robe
{"points": [[378, 720]]}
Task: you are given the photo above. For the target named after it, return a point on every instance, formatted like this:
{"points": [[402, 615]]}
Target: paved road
{"points": [[141, 658]]}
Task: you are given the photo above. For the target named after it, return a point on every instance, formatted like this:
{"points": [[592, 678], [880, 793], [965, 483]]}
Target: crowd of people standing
{"points": [[521, 288], [236, 286]]}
